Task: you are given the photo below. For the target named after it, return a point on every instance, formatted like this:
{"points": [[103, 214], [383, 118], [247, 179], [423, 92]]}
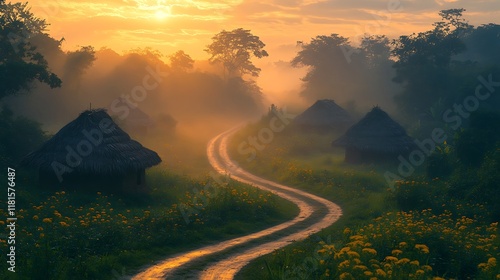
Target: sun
{"points": [[162, 14]]}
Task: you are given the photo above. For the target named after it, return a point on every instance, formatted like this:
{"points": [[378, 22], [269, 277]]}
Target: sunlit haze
{"points": [[250, 139], [170, 25]]}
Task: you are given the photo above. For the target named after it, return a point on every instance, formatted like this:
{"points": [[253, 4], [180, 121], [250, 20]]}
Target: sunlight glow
{"points": [[162, 13]]}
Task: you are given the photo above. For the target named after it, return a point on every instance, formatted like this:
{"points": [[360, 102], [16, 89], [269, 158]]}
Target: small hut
{"points": [[92, 152], [324, 115], [131, 118], [374, 138], [138, 122]]}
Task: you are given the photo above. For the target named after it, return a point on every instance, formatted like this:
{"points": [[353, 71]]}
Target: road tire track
{"points": [[223, 260]]}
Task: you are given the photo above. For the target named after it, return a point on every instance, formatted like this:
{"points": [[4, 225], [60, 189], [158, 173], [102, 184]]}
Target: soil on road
{"points": [[223, 260]]}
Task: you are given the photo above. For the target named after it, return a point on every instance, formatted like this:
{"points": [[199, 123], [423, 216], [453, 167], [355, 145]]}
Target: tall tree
{"points": [[77, 63], [356, 77], [20, 62], [332, 63], [233, 49], [181, 61], [376, 49], [424, 63], [483, 44]]}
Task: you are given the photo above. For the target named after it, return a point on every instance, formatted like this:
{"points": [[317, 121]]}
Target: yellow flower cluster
{"points": [[359, 260], [398, 246]]}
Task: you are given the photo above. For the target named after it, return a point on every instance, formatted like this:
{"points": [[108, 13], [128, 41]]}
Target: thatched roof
{"points": [[325, 113], [376, 132], [115, 153], [135, 116]]}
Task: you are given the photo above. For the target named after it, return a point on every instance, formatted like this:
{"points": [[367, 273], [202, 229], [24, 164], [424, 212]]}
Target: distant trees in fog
{"points": [[424, 73], [233, 50]]}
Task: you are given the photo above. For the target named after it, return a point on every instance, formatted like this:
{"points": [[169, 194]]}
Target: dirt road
{"points": [[225, 259]]}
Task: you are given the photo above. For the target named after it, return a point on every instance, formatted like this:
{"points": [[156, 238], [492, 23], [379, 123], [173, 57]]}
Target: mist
{"points": [[176, 100]]}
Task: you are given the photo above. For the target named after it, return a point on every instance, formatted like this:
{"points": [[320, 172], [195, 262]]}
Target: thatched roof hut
{"points": [[138, 118], [325, 114], [135, 120], [92, 151], [375, 137]]}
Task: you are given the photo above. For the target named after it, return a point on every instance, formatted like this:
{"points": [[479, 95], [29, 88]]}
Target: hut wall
{"points": [[48, 180], [132, 182], [353, 155], [135, 182]]}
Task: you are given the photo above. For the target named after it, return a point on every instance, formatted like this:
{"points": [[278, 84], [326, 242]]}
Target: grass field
{"points": [[374, 239], [79, 235]]}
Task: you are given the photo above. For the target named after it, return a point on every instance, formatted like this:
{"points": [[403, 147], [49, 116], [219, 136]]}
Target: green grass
{"points": [[308, 162], [78, 235], [460, 241]]}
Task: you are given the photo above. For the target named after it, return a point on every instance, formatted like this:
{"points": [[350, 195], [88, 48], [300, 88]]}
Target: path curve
{"points": [[223, 260]]}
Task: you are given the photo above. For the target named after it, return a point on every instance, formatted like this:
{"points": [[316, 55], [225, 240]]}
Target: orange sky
{"points": [[170, 25]]}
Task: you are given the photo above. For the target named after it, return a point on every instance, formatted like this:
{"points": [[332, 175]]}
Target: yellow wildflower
{"points": [[423, 248], [344, 264], [356, 237], [427, 268], [353, 254], [381, 272], [345, 249], [396, 252], [63, 224], [345, 275], [369, 251], [391, 259], [361, 267], [403, 261]]}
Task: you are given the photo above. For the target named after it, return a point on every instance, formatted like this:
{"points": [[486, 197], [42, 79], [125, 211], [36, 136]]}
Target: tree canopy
{"points": [[181, 61], [438, 67], [233, 49], [20, 62], [338, 70]]}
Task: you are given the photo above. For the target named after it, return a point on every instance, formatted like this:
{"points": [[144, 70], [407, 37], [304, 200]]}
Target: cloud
{"points": [[125, 24]]}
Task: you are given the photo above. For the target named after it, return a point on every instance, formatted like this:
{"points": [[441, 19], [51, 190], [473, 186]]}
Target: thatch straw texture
{"points": [[115, 153], [376, 132], [324, 113]]}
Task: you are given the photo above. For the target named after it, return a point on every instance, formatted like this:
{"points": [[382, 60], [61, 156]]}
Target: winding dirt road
{"points": [[225, 259]]}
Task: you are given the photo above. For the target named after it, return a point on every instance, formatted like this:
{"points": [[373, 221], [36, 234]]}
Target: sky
{"points": [[189, 25]]}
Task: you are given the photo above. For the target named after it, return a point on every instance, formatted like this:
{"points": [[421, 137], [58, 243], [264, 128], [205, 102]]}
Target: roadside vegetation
{"points": [[79, 235], [440, 223]]}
